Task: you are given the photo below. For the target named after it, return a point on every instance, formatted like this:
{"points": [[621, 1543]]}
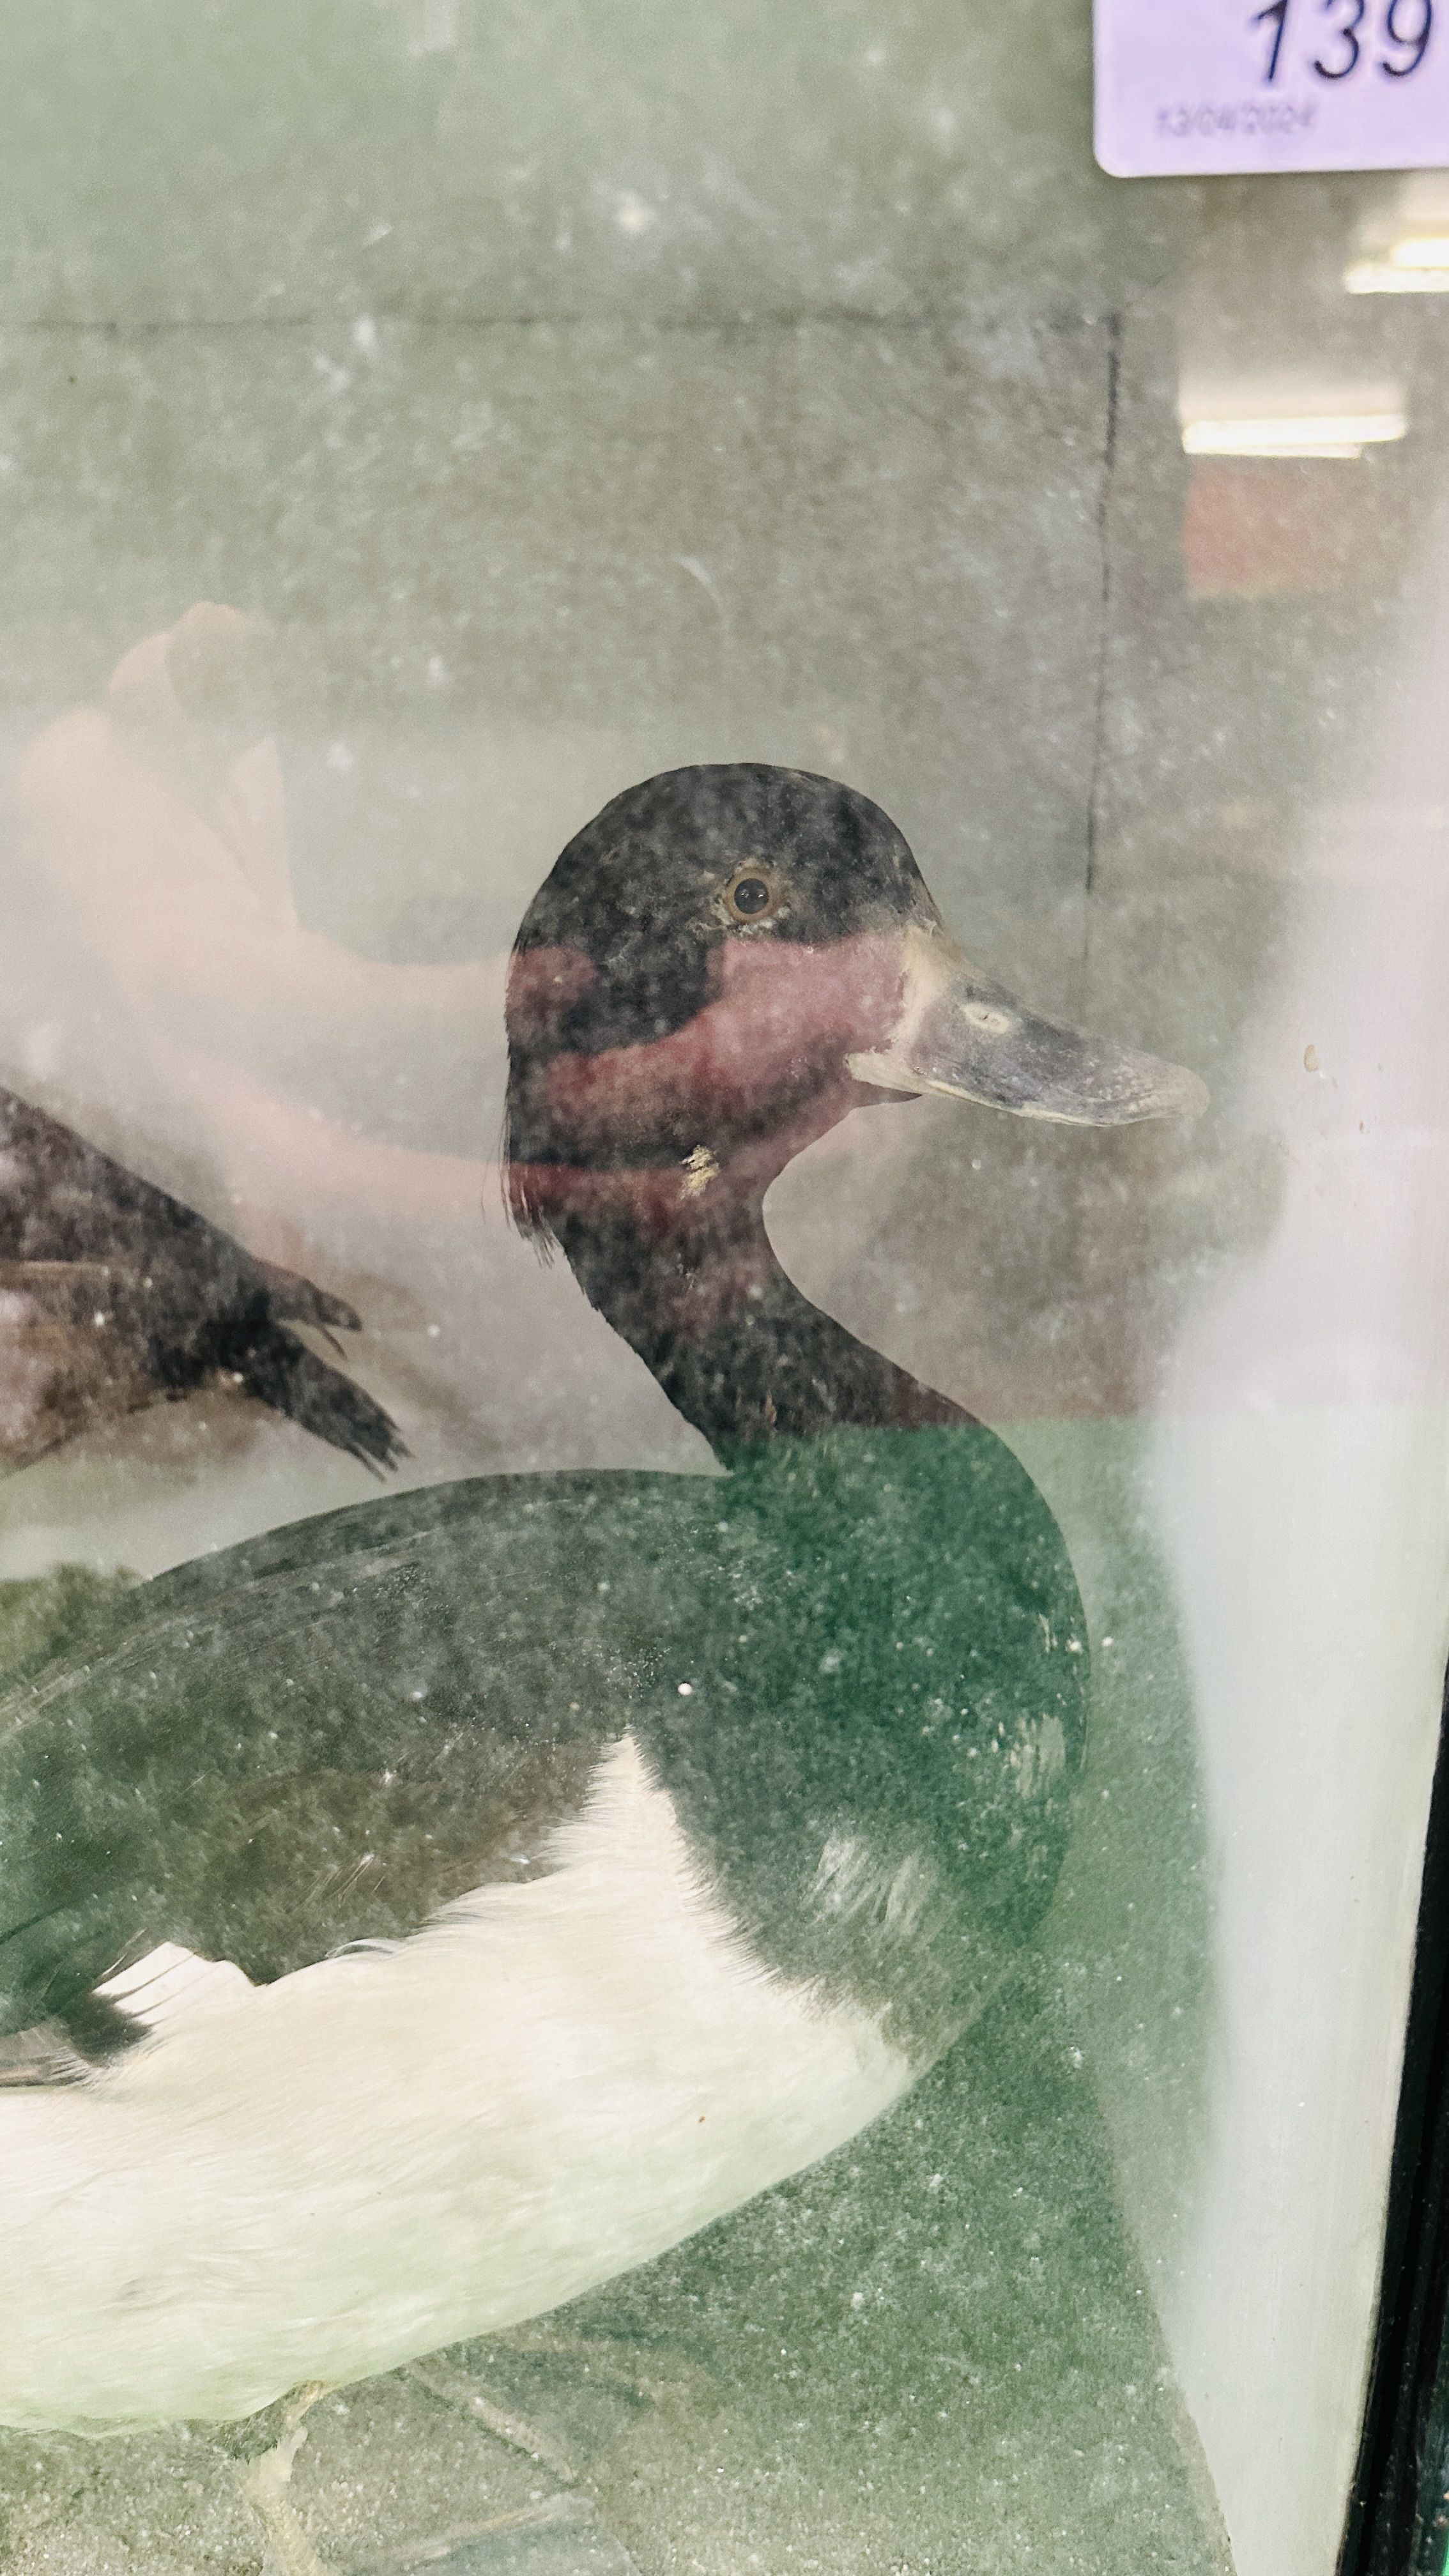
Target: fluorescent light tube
{"points": [[1398, 275], [1403, 248], [1325, 434]]}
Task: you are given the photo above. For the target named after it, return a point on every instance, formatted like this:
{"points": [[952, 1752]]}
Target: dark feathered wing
{"points": [[112, 1293], [855, 1665]]}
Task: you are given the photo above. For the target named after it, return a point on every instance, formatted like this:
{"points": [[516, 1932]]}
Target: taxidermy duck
{"points": [[114, 1295], [421, 1914]]}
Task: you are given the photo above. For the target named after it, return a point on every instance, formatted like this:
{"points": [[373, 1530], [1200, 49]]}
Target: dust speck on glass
{"points": [[722, 1306]]}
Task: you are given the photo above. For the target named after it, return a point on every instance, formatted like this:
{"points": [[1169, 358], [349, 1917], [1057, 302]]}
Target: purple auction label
{"points": [[1195, 86]]}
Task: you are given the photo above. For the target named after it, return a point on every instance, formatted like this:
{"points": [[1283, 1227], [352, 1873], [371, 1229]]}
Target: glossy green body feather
{"points": [[857, 1664]]}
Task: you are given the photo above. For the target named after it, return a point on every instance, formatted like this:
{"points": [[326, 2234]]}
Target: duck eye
{"points": [[751, 897]]}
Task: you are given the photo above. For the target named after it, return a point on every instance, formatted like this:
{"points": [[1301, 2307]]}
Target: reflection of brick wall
{"points": [[1256, 528]]}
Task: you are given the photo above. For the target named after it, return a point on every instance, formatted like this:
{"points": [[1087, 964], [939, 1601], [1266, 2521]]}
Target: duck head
{"points": [[720, 966]]}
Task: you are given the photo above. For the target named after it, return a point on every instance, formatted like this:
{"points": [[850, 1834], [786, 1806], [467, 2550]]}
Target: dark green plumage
{"points": [[323, 1735]]}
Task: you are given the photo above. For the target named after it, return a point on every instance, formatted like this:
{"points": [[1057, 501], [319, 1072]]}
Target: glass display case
{"points": [[724, 1569]]}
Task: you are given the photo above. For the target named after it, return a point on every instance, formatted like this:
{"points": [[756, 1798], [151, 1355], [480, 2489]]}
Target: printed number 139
{"points": [[1405, 28]]}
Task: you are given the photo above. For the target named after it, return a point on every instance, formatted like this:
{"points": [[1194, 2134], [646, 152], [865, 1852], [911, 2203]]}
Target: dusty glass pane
{"points": [[422, 424]]}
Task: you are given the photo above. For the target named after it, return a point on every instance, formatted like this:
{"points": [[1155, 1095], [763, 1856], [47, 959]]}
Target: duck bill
{"points": [[963, 1035]]}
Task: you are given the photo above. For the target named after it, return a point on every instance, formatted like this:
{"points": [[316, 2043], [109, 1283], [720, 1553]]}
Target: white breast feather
{"points": [[411, 2143]]}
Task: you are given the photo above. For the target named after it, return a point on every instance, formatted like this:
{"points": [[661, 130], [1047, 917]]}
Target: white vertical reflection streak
{"points": [[1302, 1482]]}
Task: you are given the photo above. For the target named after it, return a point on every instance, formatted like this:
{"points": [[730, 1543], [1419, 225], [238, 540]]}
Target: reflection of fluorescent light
{"points": [[1426, 250], [1344, 434], [1403, 248], [1419, 266], [1287, 412]]}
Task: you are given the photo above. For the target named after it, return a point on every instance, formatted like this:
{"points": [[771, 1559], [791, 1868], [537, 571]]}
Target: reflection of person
{"points": [[159, 829], [166, 1003]]}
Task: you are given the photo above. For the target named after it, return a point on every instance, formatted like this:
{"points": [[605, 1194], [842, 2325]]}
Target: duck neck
{"points": [[684, 1271]]}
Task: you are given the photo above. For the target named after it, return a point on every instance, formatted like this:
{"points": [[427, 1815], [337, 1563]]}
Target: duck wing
{"points": [[113, 1294], [315, 1739], [855, 1667]]}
